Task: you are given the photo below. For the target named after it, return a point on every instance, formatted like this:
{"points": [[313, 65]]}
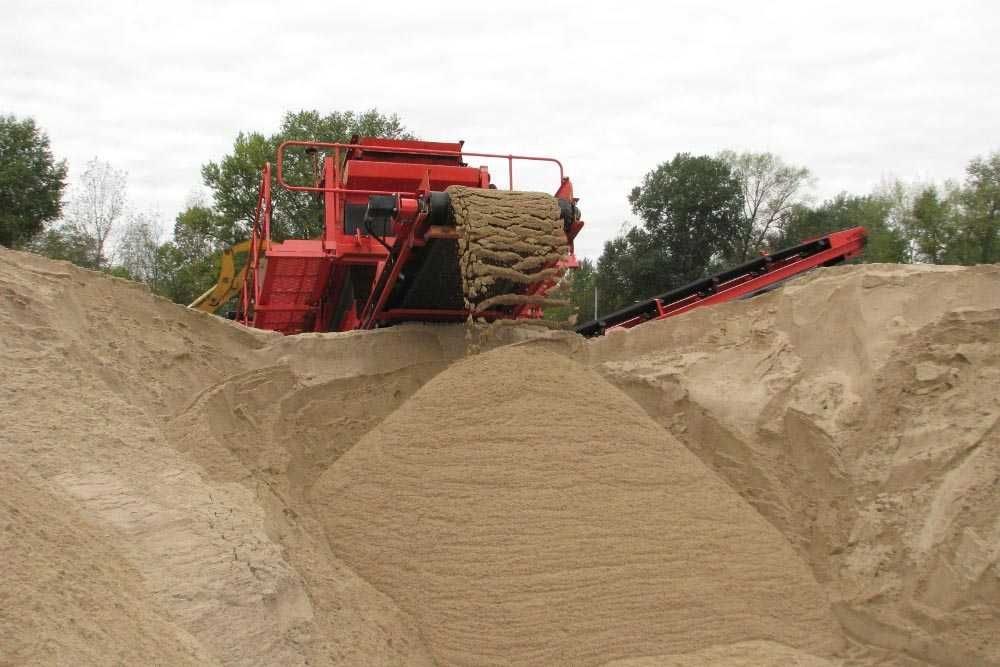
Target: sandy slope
{"points": [[94, 372], [769, 480], [519, 507], [741, 654], [70, 596], [857, 410]]}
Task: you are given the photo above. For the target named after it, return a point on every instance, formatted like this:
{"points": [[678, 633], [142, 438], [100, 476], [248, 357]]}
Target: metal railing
{"points": [[337, 147], [260, 233], [260, 239]]}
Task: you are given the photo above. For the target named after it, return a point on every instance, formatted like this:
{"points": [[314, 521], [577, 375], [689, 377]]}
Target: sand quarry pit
{"points": [[810, 477]]}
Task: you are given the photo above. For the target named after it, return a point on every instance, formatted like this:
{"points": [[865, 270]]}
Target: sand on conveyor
{"points": [[509, 242], [809, 477]]}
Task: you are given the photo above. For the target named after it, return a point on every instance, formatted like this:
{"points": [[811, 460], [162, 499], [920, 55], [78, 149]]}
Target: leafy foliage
{"points": [[189, 264], [31, 181], [886, 242], [977, 239], [931, 226], [62, 243], [690, 209], [235, 179], [693, 222], [576, 287]]}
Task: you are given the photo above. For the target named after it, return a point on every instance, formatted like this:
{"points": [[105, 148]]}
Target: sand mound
{"points": [[70, 597], [768, 479], [505, 511], [857, 410], [742, 654], [96, 373]]}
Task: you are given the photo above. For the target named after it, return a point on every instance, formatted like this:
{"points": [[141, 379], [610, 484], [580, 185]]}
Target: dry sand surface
{"points": [[811, 477]]}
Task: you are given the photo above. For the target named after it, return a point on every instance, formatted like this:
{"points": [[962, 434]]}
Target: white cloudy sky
{"points": [[856, 91]]}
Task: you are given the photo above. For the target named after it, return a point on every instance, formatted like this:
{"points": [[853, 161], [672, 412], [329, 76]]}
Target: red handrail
{"points": [[397, 150], [260, 236]]}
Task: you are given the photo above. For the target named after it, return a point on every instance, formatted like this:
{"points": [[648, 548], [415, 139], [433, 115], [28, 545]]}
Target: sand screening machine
{"points": [[412, 232]]}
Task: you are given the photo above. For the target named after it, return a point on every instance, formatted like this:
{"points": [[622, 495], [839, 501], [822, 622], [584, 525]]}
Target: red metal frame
{"points": [[840, 246], [261, 230], [291, 286]]}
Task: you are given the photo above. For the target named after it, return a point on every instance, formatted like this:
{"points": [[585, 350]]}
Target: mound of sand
{"points": [[159, 547], [857, 409], [741, 654], [69, 597], [752, 484], [518, 506]]}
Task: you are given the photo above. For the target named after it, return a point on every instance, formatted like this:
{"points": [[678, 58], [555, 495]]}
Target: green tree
{"points": [[180, 279], [60, 242], [31, 181], [977, 237], [930, 225], [631, 267], [581, 294], [234, 180], [189, 264], [690, 210], [886, 241], [576, 287]]}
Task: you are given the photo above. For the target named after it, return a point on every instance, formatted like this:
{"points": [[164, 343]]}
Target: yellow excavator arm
{"points": [[229, 283]]}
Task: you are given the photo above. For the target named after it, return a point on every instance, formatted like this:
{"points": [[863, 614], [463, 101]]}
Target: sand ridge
{"points": [[857, 410], [807, 477], [542, 531]]}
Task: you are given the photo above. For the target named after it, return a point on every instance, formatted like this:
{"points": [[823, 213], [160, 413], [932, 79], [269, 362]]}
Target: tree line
{"points": [[92, 223], [696, 214], [700, 214]]}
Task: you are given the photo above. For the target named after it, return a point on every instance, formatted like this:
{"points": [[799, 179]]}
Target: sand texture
{"points": [[507, 513], [806, 478], [508, 243], [742, 654], [857, 410]]}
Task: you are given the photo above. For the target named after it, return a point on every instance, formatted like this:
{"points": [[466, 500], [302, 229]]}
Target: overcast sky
{"points": [[856, 91]]}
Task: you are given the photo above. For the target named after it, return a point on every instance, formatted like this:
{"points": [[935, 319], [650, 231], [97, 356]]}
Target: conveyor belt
{"points": [[742, 281]]}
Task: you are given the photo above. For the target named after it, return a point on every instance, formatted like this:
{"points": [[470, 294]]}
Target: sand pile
{"points": [[126, 543], [806, 478], [508, 243], [505, 511], [857, 410], [69, 597]]}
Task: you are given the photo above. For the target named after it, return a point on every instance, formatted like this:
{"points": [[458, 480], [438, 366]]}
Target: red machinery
{"points": [[389, 253], [759, 275], [386, 253]]}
